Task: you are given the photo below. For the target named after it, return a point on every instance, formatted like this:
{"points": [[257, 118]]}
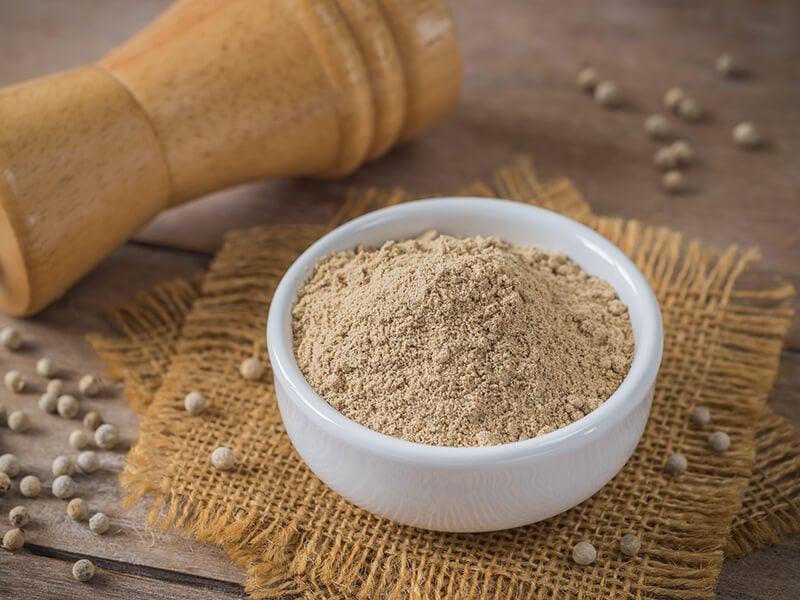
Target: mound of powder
{"points": [[460, 342]]}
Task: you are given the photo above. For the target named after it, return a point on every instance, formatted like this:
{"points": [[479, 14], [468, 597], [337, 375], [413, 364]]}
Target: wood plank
{"points": [[59, 332], [44, 578], [768, 574]]}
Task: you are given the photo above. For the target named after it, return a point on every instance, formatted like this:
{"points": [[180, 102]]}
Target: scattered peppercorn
{"points": [[657, 126], [689, 109], [10, 338], [106, 436], [719, 441], [88, 461], [195, 403], [677, 464], [78, 439], [99, 523], [587, 79], [9, 464], [746, 135], [19, 516], [701, 416], [83, 570], [68, 406], [13, 540], [63, 465], [64, 487], [89, 385], [48, 402], [14, 381], [223, 458], [19, 421], [665, 158], [606, 93], [5, 483], [727, 66], [673, 97], [78, 509], [584, 553], [630, 545], [92, 420], [46, 367], [251, 368], [30, 486], [55, 386], [673, 181], [682, 151]]}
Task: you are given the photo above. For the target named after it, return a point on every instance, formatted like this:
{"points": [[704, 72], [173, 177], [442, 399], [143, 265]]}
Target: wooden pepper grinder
{"points": [[213, 93]]}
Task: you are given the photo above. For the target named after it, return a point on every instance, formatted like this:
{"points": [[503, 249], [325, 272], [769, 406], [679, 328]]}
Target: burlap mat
{"points": [[296, 537]]}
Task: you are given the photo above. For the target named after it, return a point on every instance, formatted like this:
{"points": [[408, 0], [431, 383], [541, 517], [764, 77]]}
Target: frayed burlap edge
{"points": [[658, 252]]}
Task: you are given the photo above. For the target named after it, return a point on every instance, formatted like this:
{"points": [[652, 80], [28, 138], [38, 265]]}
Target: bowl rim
{"points": [[635, 386]]}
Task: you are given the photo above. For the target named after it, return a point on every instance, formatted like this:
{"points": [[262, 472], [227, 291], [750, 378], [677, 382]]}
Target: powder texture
{"points": [[460, 342]]}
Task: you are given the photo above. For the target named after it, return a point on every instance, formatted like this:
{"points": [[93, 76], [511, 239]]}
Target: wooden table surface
{"points": [[519, 97]]}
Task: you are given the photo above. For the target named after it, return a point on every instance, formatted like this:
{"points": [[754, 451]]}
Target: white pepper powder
{"points": [[460, 342]]}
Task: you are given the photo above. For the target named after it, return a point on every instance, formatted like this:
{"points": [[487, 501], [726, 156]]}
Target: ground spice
{"points": [[460, 342]]}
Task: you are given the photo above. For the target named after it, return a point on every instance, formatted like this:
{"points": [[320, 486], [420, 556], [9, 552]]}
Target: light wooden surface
{"points": [[520, 59]]}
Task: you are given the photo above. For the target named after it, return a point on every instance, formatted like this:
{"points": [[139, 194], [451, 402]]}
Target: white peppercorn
{"points": [[78, 509], [673, 182], [19, 516], [30, 486], [64, 487], [63, 465], [657, 126], [5, 483], [682, 151], [10, 338], [689, 109], [78, 439], [746, 135], [606, 93], [14, 381], [587, 79], [55, 386], [92, 420], [13, 540], [68, 406], [88, 461], [89, 385], [701, 416], [251, 368], [46, 367], [727, 66], [719, 441], [665, 158], [677, 464], [83, 570], [194, 403], [106, 436], [19, 421], [99, 523], [10, 465], [223, 458], [630, 545], [48, 402], [584, 553], [673, 97]]}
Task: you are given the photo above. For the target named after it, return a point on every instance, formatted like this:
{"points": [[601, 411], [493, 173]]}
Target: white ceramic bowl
{"points": [[476, 488]]}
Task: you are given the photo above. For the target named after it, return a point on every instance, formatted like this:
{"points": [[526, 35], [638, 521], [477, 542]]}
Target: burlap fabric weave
{"points": [[298, 538]]}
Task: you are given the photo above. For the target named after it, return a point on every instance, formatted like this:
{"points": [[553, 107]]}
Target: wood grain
{"points": [[519, 96], [44, 578]]}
